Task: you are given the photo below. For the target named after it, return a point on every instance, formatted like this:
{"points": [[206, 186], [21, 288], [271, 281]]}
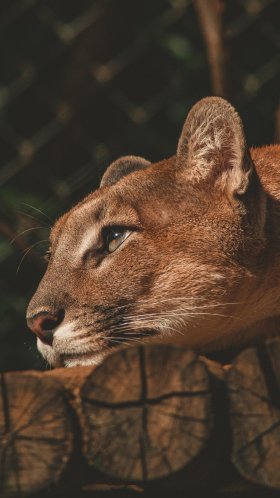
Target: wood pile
{"points": [[155, 420]]}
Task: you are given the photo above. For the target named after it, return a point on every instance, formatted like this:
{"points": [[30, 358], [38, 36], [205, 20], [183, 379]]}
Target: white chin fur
{"points": [[79, 362], [48, 354]]}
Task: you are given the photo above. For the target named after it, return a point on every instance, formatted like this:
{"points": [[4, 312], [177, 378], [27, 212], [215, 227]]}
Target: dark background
{"points": [[85, 81]]}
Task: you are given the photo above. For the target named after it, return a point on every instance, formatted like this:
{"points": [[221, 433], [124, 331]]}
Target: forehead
{"points": [[152, 197], [95, 209]]}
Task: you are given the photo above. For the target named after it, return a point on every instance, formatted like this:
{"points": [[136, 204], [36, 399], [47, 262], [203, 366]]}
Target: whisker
{"points": [[177, 313], [38, 210], [181, 301], [151, 303], [130, 340], [27, 251], [24, 231], [31, 217], [123, 339], [117, 341], [120, 339], [168, 322]]}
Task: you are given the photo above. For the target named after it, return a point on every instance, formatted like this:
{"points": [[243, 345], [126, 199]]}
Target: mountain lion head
{"points": [[161, 252]]}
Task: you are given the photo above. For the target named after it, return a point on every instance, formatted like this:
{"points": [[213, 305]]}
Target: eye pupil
{"points": [[113, 234]]}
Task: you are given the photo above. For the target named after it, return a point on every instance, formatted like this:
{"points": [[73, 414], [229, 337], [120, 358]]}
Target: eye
{"points": [[114, 236]]}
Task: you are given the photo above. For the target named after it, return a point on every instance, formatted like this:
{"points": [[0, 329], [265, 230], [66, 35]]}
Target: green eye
{"points": [[114, 237]]}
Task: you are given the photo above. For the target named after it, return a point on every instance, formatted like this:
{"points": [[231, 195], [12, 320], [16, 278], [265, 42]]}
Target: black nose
{"points": [[44, 323]]}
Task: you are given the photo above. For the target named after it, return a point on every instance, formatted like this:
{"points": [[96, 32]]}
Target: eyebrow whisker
{"points": [[38, 211]]}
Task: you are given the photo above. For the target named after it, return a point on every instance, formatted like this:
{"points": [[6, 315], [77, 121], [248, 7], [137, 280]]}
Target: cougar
{"points": [[182, 251]]}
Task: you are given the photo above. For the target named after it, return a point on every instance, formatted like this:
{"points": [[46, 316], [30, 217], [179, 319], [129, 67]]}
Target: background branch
{"points": [[210, 17]]}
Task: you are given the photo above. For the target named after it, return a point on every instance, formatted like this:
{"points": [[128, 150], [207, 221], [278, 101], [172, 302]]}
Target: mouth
{"points": [[90, 357], [65, 357], [56, 357]]}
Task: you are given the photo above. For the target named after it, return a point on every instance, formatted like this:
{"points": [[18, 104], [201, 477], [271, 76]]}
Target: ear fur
{"points": [[212, 146], [122, 167]]}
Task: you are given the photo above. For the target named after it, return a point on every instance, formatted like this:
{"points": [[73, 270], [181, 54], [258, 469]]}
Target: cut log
{"points": [[35, 432], [147, 412], [254, 397], [73, 379]]}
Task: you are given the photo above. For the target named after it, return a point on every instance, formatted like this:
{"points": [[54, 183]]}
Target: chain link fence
{"points": [[82, 83]]}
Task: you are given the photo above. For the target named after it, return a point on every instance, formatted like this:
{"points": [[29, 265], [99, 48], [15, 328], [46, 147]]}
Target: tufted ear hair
{"points": [[122, 167], [212, 146]]}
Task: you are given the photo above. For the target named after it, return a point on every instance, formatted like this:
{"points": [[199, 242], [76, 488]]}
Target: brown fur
{"points": [[201, 266]]}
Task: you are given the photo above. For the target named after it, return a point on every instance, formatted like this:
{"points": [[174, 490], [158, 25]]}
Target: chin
{"points": [[56, 359], [80, 361]]}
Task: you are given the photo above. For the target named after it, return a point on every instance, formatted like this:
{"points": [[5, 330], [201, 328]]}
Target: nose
{"points": [[44, 323]]}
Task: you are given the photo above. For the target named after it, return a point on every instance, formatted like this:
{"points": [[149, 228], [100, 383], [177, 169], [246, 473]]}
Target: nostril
{"points": [[49, 324], [44, 323]]}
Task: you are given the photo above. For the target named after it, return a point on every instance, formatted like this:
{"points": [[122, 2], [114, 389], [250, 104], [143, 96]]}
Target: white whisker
{"points": [[38, 211], [24, 231], [27, 251]]}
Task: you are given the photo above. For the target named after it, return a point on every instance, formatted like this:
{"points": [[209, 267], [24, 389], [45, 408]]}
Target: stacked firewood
{"points": [[153, 418]]}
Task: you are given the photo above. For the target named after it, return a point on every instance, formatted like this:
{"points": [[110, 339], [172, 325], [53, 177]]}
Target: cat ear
{"points": [[122, 167], [212, 146]]}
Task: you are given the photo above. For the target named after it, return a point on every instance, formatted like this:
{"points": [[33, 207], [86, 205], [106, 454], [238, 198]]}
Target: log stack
{"points": [[153, 418]]}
